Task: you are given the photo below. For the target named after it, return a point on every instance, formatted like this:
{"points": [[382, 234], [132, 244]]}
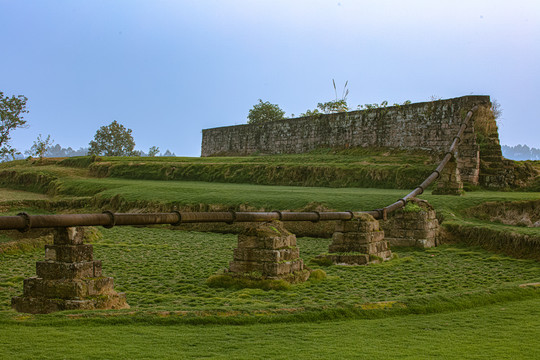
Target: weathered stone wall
{"points": [[430, 125]]}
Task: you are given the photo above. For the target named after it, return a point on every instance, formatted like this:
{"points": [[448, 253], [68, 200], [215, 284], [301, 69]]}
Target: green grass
{"points": [[324, 167], [161, 269], [15, 195], [501, 331], [454, 301]]}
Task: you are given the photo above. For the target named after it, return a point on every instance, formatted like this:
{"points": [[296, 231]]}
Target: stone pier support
{"points": [[415, 225], [68, 279], [268, 251], [449, 182], [357, 242]]}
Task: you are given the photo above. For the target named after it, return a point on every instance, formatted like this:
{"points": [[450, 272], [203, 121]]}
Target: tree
{"points": [[153, 151], [264, 112], [331, 107], [40, 147], [11, 118], [112, 140]]}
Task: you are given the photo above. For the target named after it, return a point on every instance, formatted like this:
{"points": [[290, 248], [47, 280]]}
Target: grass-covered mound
{"points": [[378, 168]]}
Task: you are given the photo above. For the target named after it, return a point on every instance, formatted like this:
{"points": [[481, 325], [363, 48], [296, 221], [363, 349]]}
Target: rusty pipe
{"points": [[24, 221]]}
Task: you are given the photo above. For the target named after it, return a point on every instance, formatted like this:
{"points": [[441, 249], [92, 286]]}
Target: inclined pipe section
{"points": [[107, 219]]}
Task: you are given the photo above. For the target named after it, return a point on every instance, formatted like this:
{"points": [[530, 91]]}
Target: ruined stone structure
{"points": [[358, 242], [68, 279], [427, 126], [414, 225], [270, 251]]}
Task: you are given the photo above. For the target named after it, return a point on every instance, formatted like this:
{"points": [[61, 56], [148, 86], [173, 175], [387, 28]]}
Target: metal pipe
{"points": [[24, 221]]}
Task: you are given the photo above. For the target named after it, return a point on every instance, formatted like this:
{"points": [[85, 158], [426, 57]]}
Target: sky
{"points": [[168, 69]]}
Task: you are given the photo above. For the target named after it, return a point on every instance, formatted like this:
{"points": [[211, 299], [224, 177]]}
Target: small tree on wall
{"points": [[113, 140], [265, 112]]}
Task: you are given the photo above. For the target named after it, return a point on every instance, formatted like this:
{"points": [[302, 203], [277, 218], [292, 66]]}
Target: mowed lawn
{"points": [[508, 331]]}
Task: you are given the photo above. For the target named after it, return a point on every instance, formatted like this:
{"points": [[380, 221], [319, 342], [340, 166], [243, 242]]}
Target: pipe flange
{"points": [[112, 217], [318, 217], [27, 221], [179, 214], [458, 139], [438, 173], [352, 214], [233, 213], [279, 214], [421, 189], [403, 201]]}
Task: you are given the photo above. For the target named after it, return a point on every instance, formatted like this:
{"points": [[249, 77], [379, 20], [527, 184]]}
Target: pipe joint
{"points": [[233, 213], [27, 221], [112, 217], [179, 214]]}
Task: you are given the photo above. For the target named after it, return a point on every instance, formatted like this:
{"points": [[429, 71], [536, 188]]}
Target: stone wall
{"points": [[427, 126]]}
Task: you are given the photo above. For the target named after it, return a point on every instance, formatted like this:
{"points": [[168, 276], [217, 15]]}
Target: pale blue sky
{"points": [[168, 69]]}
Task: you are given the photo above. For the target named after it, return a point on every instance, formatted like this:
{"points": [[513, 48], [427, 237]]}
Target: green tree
{"points": [[11, 118], [40, 147], [331, 107], [153, 151], [264, 112], [113, 140]]}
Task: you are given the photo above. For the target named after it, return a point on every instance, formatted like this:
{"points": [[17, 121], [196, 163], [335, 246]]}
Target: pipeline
{"points": [[25, 222]]}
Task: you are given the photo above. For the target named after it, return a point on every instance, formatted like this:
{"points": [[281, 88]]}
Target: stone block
{"points": [[401, 241], [339, 238], [266, 242], [351, 247], [41, 305], [68, 288], [51, 270], [263, 255], [426, 243], [241, 267], [357, 225], [283, 268], [69, 236], [69, 253]]}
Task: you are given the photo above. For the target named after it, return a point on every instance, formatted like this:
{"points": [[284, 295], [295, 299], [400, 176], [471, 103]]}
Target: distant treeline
{"points": [[520, 152], [59, 151]]}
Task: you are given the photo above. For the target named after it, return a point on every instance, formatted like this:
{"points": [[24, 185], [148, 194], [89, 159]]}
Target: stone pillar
{"points": [[68, 279], [450, 180], [415, 225], [268, 251], [357, 242]]}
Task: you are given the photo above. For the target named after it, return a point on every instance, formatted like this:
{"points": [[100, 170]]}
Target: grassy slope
{"points": [[159, 274], [358, 167], [509, 331]]}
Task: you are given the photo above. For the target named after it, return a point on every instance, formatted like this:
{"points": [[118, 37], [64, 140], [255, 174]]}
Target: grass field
{"points": [[162, 269], [502, 331], [454, 301]]}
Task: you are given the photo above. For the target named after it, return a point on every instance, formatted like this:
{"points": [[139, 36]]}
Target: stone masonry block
{"points": [[51, 270], [365, 248], [245, 266], [284, 268], [67, 288], [69, 236], [69, 253], [266, 242], [339, 238], [356, 225], [263, 255]]}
